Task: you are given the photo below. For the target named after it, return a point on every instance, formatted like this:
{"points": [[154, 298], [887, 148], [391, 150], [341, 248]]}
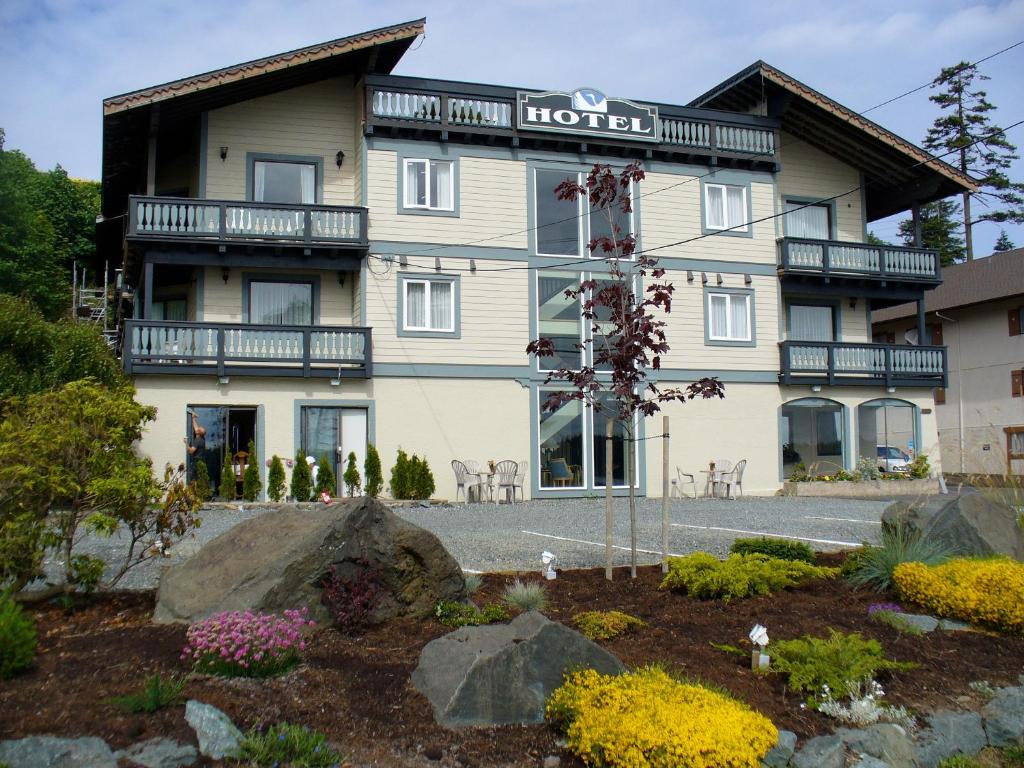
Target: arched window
{"points": [[813, 433], [887, 433]]}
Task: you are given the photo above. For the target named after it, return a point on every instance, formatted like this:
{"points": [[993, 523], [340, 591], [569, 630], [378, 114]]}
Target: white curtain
{"points": [[415, 183], [719, 317], [415, 305], [810, 323], [441, 306], [441, 185], [259, 181], [737, 209], [280, 303], [308, 182], [738, 317], [810, 222], [715, 207]]}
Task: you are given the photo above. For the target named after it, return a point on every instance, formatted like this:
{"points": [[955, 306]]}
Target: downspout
{"points": [[959, 390]]}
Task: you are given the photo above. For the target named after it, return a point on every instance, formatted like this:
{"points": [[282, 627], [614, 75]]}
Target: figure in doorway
{"points": [[198, 444]]}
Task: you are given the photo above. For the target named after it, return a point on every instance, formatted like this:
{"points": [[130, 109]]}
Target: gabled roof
{"points": [[406, 31], [999, 276], [897, 172]]}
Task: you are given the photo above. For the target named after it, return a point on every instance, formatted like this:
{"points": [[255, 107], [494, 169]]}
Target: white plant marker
{"points": [[758, 658], [547, 559]]}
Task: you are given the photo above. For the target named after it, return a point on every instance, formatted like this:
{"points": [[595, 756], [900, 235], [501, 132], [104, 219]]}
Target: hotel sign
{"points": [[586, 112]]}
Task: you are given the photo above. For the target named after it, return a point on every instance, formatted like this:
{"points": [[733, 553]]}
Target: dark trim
{"points": [[885, 373], [345, 262], [204, 138]]}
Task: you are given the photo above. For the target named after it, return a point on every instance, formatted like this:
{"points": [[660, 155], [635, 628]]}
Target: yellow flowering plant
{"points": [[606, 625]]}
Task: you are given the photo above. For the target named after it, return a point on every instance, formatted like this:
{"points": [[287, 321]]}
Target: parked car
{"points": [[892, 459]]}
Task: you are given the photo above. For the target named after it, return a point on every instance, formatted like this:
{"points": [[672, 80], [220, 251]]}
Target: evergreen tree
{"points": [[275, 479], [423, 480], [372, 471], [227, 487], [874, 239], [302, 479], [940, 229], [965, 128], [325, 480], [351, 476], [203, 489], [400, 480], [251, 485], [1004, 243]]}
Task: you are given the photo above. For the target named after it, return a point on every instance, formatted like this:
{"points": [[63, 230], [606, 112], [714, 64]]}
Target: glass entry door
{"points": [[334, 433], [228, 430]]}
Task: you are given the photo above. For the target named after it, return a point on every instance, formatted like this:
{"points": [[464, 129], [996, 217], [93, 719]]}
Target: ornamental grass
{"points": [[247, 644], [704, 575], [605, 625], [648, 719], [988, 592]]}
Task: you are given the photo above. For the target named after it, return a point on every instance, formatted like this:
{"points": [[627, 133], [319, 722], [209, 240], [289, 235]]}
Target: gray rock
{"points": [[503, 673], [951, 625], [54, 752], [277, 561], [218, 736], [779, 755], [922, 621], [159, 753], [552, 761], [820, 752], [973, 523], [1004, 717], [867, 761], [948, 734], [886, 741]]}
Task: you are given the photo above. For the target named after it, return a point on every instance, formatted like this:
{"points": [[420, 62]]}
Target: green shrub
{"points": [[351, 476], [372, 472], [411, 478], [705, 576], [453, 614], [228, 487], [961, 761], [302, 479], [422, 478], [251, 485], [292, 745], [275, 479], [777, 548], [875, 565], [473, 582], [156, 694], [526, 596], [605, 625], [203, 489], [401, 482], [919, 468], [836, 661], [325, 479], [17, 637]]}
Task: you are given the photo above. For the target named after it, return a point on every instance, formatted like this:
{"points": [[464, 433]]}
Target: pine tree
{"points": [[251, 485], [424, 480], [227, 487], [275, 479], [400, 485], [979, 148], [351, 477], [325, 480], [874, 239], [302, 479], [940, 229], [1004, 243], [203, 489], [372, 471]]}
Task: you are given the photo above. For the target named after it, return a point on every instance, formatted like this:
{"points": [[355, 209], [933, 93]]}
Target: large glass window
{"points": [[886, 432], [429, 305], [729, 317], [170, 309], [280, 303], [558, 319], [429, 184], [809, 221], [725, 207], [604, 222], [284, 182], [811, 322], [599, 420], [558, 222], [561, 445], [812, 434]]}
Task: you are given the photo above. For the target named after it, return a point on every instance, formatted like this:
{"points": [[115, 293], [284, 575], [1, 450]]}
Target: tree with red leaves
{"points": [[631, 339]]}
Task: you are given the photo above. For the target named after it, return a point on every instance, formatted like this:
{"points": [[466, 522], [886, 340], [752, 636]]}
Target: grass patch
{"points": [[526, 595], [873, 566], [453, 614], [606, 625], [291, 745], [897, 621], [473, 582], [156, 694]]}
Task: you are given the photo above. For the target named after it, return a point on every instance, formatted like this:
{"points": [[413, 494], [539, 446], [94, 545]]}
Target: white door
{"points": [[353, 440]]}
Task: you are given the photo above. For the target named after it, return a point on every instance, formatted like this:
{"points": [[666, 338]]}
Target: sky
{"points": [[60, 58]]}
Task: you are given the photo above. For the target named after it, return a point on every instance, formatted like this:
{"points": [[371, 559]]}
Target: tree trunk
{"points": [[609, 507], [631, 474], [968, 242]]}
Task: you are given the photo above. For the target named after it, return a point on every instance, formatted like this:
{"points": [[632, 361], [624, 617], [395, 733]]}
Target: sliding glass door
{"points": [[333, 433]]}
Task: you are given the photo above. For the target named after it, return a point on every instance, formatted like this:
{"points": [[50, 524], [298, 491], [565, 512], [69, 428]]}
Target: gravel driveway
{"points": [[485, 537]]}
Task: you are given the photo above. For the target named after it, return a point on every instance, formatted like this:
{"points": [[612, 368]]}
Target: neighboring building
{"points": [[317, 253], [978, 312]]}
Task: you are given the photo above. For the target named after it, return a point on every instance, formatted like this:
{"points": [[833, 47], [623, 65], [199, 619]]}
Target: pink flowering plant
{"points": [[247, 644]]}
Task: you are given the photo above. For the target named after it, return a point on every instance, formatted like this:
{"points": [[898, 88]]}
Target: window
{"points": [[729, 317], [807, 221], [812, 322], [1016, 320], [1014, 449], [1016, 383], [561, 444], [429, 185], [725, 207], [175, 310], [429, 305], [565, 227], [280, 303], [275, 181], [559, 319], [940, 396], [812, 433]]}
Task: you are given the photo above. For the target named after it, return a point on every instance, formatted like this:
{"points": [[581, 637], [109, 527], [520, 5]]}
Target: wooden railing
{"points": [[226, 349], [882, 262], [181, 218], [834, 362]]}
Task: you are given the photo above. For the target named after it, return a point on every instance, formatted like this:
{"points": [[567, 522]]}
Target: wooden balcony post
{"points": [[922, 329], [221, 367], [368, 352], [888, 366], [306, 344], [830, 357]]}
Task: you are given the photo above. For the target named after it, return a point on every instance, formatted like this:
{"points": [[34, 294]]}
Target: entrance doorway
{"points": [[228, 430], [334, 433]]}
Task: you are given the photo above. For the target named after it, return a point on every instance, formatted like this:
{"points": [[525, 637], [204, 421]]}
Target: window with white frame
{"points": [[725, 207], [429, 305], [729, 317], [429, 184]]}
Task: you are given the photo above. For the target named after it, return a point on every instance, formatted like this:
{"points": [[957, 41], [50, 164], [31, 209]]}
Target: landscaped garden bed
{"points": [[356, 689]]}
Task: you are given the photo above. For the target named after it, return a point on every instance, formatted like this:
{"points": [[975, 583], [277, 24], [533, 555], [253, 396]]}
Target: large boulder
{"points": [[503, 673], [277, 561], [972, 522]]}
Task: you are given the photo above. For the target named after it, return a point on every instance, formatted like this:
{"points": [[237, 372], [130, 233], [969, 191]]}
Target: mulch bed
{"points": [[357, 690]]}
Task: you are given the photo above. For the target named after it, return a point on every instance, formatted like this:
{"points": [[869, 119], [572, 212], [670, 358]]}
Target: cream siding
{"points": [[223, 301]]}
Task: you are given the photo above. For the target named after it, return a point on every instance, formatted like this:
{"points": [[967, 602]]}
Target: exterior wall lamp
{"points": [[225, 273], [339, 158], [223, 153]]}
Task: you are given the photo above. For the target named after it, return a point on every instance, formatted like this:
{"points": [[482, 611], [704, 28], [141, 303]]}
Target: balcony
{"points": [[239, 349], [833, 260], [838, 363], [188, 220]]}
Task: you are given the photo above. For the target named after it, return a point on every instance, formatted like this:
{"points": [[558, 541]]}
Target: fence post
{"points": [[608, 499], [664, 494]]}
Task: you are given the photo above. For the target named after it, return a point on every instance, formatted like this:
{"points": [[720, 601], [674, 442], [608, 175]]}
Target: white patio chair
{"points": [[505, 479], [472, 465], [521, 470], [681, 479], [722, 467], [465, 480], [733, 479]]}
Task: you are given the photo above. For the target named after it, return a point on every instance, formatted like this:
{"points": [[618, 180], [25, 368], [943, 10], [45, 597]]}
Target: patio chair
{"points": [[505, 478], [560, 472], [682, 478], [521, 471], [465, 480], [472, 465], [733, 478]]}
